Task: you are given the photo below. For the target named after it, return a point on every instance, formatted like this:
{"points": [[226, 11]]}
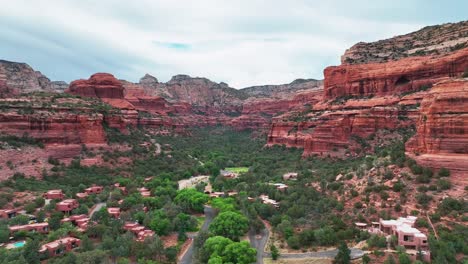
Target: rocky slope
{"points": [[16, 78], [435, 40]]}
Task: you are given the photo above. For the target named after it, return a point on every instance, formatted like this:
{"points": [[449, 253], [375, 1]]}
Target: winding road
{"points": [[355, 253], [258, 241], [188, 255]]}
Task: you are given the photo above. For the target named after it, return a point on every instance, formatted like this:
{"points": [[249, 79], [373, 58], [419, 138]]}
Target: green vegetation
{"points": [[238, 169], [18, 142], [313, 212]]}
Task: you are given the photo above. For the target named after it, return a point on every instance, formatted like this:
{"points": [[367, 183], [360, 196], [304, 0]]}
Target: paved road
{"points": [[96, 208], [355, 253], [209, 216], [258, 241]]}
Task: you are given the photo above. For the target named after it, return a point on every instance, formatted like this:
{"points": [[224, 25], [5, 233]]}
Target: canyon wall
{"points": [[405, 75]]}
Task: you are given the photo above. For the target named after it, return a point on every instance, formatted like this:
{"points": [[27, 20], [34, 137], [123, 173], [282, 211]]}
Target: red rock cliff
{"points": [[377, 79]]}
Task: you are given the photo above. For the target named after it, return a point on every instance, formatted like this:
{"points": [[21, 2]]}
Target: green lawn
{"points": [[238, 169]]}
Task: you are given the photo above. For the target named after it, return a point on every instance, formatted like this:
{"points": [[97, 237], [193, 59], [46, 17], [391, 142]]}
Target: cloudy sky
{"points": [[241, 42]]}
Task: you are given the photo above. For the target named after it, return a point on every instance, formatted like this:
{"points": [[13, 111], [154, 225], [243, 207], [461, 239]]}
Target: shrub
{"points": [[423, 199], [444, 184], [377, 241], [444, 172], [294, 242]]}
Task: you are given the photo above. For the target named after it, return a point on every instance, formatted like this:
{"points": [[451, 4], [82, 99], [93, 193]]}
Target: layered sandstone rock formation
{"points": [[377, 79], [442, 130], [99, 85], [360, 100], [435, 40]]}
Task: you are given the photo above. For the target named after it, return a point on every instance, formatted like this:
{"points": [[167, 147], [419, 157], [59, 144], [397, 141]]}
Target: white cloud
{"points": [[240, 42]]}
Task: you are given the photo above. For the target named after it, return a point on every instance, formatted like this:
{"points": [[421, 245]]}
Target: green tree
{"points": [[31, 251], [240, 252], [92, 257], [274, 252], [54, 220], [160, 223], [86, 244], [191, 199], [390, 260], [343, 256], [230, 224], [216, 245], [403, 258]]}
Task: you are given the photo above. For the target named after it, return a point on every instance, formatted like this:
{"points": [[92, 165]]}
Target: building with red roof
{"points": [[60, 246], [42, 228], [54, 194], [67, 205]]}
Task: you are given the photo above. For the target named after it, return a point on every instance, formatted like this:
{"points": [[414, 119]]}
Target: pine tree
{"points": [[343, 256]]}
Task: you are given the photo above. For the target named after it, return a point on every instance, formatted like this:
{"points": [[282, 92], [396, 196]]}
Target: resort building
{"points": [[60, 246], [94, 190], [8, 213], [140, 232], [81, 221], [290, 176], [144, 192], [81, 195], [407, 236], [67, 205], [266, 200], [281, 186], [123, 189], [229, 174], [42, 228], [114, 212], [54, 194]]}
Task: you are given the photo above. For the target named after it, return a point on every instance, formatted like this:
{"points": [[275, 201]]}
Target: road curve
{"points": [[209, 216], [258, 241]]}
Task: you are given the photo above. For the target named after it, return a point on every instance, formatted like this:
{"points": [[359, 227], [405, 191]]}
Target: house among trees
{"points": [[67, 205], [407, 236], [266, 200], [81, 221], [42, 228], [94, 190], [140, 232], [229, 174], [281, 186], [144, 192], [290, 176], [8, 213], [60, 246], [54, 194], [114, 212], [123, 189], [81, 195]]}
